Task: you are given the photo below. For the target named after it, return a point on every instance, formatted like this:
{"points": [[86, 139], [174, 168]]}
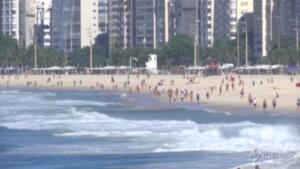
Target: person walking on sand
{"points": [[7, 84], [250, 100], [170, 94], [35, 84], [112, 79], [265, 105], [292, 79], [274, 103], [254, 102], [207, 95], [181, 95], [176, 93], [277, 95], [198, 98], [220, 90]]}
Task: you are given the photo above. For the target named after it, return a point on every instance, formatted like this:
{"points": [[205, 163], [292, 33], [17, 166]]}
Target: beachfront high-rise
{"points": [[21, 19], [74, 23], [151, 22], [10, 18], [217, 20], [119, 23], [206, 22], [43, 21], [263, 27], [144, 23], [27, 20], [227, 17], [103, 16], [35, 22], [187, 18], [286, 20]]}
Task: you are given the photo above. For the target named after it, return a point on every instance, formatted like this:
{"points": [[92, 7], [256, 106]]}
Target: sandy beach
{"points": [[260, 87]]}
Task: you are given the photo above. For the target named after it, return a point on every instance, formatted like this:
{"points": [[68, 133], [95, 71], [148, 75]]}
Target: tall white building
{"points": [[10, 18], [27, 20], [19, 17], [74, 23]]}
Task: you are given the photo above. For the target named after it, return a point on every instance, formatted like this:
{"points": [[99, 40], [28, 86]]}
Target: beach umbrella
{"points": [[298, 85]]}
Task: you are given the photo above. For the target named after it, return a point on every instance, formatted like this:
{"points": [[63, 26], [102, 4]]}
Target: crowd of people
{"points": [[229, 83]]}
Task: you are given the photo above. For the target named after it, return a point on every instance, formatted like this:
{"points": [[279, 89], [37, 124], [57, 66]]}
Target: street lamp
{"points": [[35, 16], [91, 47], [278, 18], [246, 44], [130, 67], [238, 43], [196, 47]]}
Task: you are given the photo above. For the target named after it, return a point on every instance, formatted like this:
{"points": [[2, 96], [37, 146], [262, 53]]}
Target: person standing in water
{"points": [[265, 105], [198, 98], [274, 103], [207, 95], [250, 100], [254, 102]]}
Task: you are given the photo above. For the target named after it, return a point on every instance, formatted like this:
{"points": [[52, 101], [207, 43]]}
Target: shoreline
{"points": [[230, 99]]}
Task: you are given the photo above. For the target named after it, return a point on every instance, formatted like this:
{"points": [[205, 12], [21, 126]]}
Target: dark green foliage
{"points": [[286, 54], [179, 51]]}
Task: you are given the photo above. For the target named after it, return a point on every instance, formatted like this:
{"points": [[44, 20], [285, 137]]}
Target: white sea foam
{"points": [[152, 135], [83, 102], [164, 136]]}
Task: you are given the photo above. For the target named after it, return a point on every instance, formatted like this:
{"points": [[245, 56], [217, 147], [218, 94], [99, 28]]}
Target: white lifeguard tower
{"points": [[151, 65]]}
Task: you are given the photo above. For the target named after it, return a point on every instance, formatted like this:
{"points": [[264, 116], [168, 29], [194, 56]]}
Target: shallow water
{"points": [[81, 129]]}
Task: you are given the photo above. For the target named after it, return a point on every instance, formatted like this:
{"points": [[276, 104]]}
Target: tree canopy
{"points": [[178, 51]]}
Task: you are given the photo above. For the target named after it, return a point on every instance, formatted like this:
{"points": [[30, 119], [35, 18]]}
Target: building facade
{"points": [[27, 20], [206, 22], [74, 23], [227, 17], [143, 23], [10, 18], [151, 23], [43, 22], [120, 23], [263, 27], [103, 16]]}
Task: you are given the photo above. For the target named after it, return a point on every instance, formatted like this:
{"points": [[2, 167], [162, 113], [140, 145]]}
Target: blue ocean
{"points": [[64, 129]]}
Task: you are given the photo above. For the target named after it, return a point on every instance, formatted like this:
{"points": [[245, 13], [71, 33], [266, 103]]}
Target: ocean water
{"points": [[48, 129]]}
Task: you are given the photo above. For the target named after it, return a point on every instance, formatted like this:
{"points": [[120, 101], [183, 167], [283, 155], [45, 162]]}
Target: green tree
{"points": [[179, 51]]}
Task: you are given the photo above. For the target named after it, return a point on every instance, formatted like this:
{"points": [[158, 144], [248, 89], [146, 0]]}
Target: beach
{"points": [[282, 88]]}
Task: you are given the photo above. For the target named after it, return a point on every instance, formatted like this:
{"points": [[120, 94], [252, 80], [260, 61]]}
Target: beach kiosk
{"points": [[151, 64]]}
